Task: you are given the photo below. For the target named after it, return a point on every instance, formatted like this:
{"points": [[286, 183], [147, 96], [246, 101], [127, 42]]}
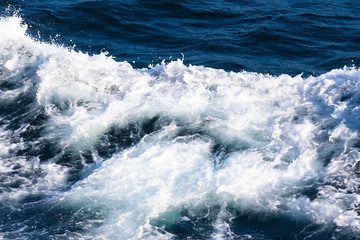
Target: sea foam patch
{"points": [[174, 146]]}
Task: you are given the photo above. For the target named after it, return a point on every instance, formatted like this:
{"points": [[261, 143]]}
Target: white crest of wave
{"points": [[282, 131]]}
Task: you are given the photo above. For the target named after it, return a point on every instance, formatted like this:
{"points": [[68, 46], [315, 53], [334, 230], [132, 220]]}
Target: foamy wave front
{"points": [[170, 144]]}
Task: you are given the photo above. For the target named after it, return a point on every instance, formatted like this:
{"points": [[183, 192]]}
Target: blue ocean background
{"points": [[179, 119], [275, 37]]}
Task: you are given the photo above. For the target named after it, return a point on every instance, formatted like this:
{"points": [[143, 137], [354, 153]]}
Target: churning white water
{"points": [[202, 146]]}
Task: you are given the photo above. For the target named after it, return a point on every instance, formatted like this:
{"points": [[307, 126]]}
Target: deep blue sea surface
{"points": [[179, 120]]}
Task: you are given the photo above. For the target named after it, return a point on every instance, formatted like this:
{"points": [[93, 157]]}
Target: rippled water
{"points": [[275, 37], [158, 120]]}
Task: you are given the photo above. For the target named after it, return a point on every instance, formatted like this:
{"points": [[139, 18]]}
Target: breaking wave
{"points": [[91, 147]]}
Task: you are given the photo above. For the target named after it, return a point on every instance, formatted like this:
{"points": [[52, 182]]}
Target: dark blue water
{"points": [[158, 119], [275, 37]]}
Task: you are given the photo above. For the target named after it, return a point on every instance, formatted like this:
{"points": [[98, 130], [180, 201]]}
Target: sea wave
{"points": [[109, 150]]}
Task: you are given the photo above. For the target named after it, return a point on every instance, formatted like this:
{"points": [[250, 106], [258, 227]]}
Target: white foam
{"points": [[143, 182], [22, 175], [27, 177], [277, 129]]}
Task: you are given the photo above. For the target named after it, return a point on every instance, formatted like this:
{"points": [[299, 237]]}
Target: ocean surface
{"points": [[179, 119]]}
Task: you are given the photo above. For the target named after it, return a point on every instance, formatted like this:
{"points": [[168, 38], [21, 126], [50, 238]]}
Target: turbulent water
{"points": [[208, 145]]}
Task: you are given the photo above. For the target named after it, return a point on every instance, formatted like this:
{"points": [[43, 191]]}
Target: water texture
{"points": [[191, 120], [276, 37]]}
